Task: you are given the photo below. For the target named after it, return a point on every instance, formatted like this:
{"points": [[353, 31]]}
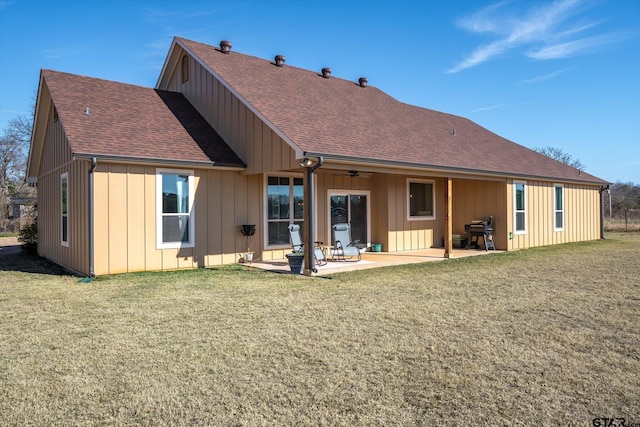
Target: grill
{"points": [[480, 228]]}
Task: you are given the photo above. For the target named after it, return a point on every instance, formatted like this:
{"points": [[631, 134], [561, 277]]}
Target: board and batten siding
{"points": [[478, 200], [125, 219], [56, 161], [581, 214], [247, 135], [390, 226]]}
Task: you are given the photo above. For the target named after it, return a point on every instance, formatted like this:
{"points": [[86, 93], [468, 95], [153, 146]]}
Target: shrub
{"points": [[28, 238]]}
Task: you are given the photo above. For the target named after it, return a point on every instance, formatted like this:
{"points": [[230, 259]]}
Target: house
{"points": [[134, 179]]}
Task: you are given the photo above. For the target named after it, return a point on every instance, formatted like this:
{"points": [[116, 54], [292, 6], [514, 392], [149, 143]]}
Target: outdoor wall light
{"points": [[306, 162]]}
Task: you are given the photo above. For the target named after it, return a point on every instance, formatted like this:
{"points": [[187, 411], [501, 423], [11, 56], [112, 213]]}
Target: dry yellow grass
{"points": [[539, 337]]}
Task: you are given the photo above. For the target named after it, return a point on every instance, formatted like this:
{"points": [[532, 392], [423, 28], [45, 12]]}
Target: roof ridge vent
{"points": [[279, 60], [362, 81], [225, 46], [326, 73]]}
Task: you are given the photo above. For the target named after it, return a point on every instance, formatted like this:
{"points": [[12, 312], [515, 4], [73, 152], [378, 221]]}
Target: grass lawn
{"points": [[546, 336]]}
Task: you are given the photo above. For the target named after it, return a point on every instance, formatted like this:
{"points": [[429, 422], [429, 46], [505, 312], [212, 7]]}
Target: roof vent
{"points": [[279, 60], [362, 81], [86, 112], [326, 73], [225, 46]]}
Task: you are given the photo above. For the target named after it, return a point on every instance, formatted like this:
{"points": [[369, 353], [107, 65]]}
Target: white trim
{"points": [[265, 216], [556, 210], [515, 211], [433, 199], [64, 177], [346, 192], [191, 184]]}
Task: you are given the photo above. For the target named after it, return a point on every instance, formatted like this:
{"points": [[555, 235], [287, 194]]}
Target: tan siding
{"points": [[126, 219], [255, 143], [136, 215], [581, 214], [214, 212], [477, 200], [56, 160], [118, 219]]}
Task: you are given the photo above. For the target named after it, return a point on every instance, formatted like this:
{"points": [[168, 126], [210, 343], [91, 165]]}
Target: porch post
{"points": [[448, 217], [309, 221]]}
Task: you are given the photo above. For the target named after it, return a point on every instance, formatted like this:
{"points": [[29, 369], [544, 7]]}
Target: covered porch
{"points": [[375, 260]]}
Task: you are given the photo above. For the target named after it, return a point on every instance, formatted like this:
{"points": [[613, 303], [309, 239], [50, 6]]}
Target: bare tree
{"points": [[559, 155], [14, 149]]}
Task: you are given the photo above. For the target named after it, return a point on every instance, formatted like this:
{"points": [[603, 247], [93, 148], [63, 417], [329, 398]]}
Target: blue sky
{"points": [[562, 73]]}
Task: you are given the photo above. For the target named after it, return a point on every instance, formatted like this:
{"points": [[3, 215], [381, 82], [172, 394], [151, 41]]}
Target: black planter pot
{"points": [[248, 229], [296, 263]]}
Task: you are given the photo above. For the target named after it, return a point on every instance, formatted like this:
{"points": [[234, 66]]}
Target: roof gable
{"points": [[106, 118], [339, 118]]}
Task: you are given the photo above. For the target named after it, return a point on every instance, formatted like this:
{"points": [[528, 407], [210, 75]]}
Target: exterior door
{"points": [[351, 208]]}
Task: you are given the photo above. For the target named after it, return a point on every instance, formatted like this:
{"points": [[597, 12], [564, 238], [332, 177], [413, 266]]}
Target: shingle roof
{"points": [[133, 122], [336, 117]]}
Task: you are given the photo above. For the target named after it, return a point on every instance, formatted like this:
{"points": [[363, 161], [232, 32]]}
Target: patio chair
{"points": [[298, 245], [344, 247]]}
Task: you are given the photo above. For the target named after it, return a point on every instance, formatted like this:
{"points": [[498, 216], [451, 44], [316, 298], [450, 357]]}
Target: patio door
{"points": [[350, 207]]}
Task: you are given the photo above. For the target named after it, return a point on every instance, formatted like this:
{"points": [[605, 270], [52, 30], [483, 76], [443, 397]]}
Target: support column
{"points": [[309, 220], [448, 217]]}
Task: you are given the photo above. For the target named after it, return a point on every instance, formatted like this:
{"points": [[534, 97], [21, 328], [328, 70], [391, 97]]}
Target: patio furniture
{"points": [[298, 245], [480, 228], [344, 247]]}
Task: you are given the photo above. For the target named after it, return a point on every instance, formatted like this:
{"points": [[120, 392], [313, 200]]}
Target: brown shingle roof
{"points": [[336, 117], [133, 122]]}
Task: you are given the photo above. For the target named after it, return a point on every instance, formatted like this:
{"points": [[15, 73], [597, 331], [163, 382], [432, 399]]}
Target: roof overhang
{"points": [[39, 131], [389, 166], [158, 162]]}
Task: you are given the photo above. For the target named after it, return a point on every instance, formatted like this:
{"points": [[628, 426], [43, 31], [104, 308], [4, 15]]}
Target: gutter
{"points": [[162, 162], [309, 220], [92, 271], [445, 169], [603, 188]]}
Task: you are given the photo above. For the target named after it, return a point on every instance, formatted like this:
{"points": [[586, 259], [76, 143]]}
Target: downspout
{"points": [[309, 219], [602, 190], [92, 273]]}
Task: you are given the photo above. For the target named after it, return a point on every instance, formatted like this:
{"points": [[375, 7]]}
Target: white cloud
{"points": [[553, 30], [548, 76], [492, 107]]}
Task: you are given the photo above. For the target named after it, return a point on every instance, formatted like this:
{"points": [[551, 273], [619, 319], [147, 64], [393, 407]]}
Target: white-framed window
{"points": [[285, 205], [558, 207], [520, 207], [421, 199], [64, 209], [175, 222]]}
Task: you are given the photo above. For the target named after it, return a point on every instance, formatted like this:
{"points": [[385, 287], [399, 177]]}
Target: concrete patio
{"points": [[374, 260]]}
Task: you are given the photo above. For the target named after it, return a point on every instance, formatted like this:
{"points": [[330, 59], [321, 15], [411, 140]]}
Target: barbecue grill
{"points": [[481, 228]]}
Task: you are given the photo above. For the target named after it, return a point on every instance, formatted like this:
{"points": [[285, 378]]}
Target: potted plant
{"points": [[296, 261]]}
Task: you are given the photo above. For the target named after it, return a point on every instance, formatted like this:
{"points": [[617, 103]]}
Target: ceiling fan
{"points": [[354, 174]]}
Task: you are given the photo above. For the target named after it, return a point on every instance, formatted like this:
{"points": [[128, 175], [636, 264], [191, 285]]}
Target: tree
{"points": [[14, 148], [559, 155]]}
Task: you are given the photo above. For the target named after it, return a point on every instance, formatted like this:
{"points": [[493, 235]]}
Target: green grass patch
{"points": [[541, 336]]}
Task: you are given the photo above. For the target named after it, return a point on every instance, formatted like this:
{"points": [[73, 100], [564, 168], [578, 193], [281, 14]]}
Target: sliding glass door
{"points": [[350, 207]]}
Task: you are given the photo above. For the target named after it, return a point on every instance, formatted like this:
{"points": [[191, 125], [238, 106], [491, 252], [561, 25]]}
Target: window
{"points": [[174, 209], [421, 199], [64, 209], [185, 69], [285, 204], [520, 207], [558, 207]]}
